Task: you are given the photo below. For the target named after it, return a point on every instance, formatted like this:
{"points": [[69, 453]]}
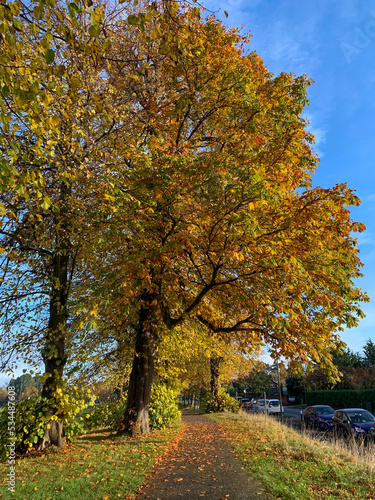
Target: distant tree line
{"points": [[357, 370]]}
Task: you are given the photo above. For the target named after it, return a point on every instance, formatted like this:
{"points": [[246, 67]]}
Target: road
{"points": [[291, 413]]}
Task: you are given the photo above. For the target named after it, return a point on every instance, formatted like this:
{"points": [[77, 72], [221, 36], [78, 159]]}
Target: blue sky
{"points": [[333, 42]]}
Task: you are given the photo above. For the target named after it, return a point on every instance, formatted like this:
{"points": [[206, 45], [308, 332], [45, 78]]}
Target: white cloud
{"points": [[320, 133], [369, 198], [365, 238]]}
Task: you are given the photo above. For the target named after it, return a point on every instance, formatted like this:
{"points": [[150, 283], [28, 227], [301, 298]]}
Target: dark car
{"points": [[355, 422], [372, 432], [319, 417]]}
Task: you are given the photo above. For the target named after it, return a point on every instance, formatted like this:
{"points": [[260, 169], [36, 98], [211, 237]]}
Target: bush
{"points": [[223, 402], [30, 422], [163, 410], [105, 414], [163, 406]]}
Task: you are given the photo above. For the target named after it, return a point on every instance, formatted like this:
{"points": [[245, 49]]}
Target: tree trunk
{"points": [[192, 400], [53, 353], [215, 363], [136, 417], [55, 359]]}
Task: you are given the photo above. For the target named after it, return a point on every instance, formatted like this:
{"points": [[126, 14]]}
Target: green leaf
{"points": [[17, 25], [106, 44], [94, 30], [38, 12], [60, 70], [195, 12], [46, 203], [75, 82], [164, 49], [50, 56], [132, 19], [75, 7], [5, 91]]}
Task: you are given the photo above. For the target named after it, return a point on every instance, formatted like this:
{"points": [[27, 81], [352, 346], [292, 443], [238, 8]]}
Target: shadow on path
{"points": [[201, 464]]}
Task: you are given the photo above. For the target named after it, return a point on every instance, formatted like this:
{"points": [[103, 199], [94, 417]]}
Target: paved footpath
{"points": [[202, 464]]}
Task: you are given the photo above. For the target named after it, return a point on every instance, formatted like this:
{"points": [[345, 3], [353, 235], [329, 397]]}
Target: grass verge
{"points": [[97, 466], [295, 466]]}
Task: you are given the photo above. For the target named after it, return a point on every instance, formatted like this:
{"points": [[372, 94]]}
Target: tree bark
{"points": [[215, 363], [54, 355], [192, 400], [136, 417]]}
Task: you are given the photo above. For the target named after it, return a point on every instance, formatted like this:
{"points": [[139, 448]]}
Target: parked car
{"points": [[253, 402], [371, 433], [245, 403], [273, 406], [259, 405], [355, 422], [319, 417]]}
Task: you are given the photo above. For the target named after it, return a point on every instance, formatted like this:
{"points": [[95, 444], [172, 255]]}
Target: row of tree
{"points": [[155, 185]]}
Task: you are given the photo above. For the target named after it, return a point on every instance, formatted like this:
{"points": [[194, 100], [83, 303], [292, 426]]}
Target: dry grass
{"points": [[294, 465], [357, 450]]}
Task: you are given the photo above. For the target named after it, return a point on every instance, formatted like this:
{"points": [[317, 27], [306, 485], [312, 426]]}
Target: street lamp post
{"points": [[280, 392]]}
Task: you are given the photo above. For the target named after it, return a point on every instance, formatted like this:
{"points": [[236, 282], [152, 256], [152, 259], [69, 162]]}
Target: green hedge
{"points": [[222, 403], [342, 398]]}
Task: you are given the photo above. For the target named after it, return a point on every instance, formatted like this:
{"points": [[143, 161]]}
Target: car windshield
{"points": [[324, 410], [361, 417], [274, 403]]}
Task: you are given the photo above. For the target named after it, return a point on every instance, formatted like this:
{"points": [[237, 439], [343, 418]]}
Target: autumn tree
{"points": [[193, 360], [318, 378], [55, 113], [216, 217]]}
